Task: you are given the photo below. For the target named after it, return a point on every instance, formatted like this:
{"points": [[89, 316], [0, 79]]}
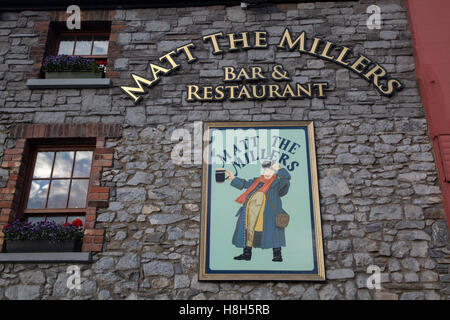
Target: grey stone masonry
{"points": [[380, 198]]}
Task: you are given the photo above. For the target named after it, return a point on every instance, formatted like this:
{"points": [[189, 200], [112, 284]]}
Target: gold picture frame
{"points": [[208, 271]]}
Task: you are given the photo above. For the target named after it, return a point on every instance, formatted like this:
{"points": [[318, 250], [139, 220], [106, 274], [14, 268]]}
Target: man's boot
{"points": [[277, 255], [246, 255]]}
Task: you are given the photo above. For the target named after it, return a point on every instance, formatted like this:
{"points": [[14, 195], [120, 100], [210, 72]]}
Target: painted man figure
{"points": [[255, 227]]}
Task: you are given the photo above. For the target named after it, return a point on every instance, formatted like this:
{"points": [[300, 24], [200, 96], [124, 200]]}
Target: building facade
{"points": [[380, 197]]}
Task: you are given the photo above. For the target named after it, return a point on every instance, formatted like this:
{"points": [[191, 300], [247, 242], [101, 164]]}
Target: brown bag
{"points": [[282, 218]]}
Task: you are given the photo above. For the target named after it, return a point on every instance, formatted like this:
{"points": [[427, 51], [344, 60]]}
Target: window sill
{"points": [[43, 257], [69, 83]]}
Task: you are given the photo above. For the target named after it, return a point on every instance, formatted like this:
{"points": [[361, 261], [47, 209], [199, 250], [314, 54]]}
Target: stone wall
{"points": [[380, 196]]}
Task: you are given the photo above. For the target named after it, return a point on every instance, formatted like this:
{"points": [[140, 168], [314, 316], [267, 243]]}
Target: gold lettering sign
{"points": [[252, 83]]}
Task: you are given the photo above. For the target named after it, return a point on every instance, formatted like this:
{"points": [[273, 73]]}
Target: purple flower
{"points": [[69, 63]]}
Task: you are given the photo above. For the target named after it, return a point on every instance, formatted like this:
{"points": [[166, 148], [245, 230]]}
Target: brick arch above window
{"points": [[14, 160]]}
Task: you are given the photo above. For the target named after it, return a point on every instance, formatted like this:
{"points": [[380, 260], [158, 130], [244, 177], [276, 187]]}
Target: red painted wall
{"points": [[430, 28]]}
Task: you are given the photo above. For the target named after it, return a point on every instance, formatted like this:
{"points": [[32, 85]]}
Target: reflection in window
{"points": [[34, 219], [78, 193], [38, 194], [60, 180], [43, 167], [63, 164], [83, 45], [100, 45], [57, 219], [82, 167], [66, 44], [59, 189]]}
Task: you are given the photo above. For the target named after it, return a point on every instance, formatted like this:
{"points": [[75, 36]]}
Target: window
{"points": [[91, 41], [92, 45], [57, 183], [66, 154]]}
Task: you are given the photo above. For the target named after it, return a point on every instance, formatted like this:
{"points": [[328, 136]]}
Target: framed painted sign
{"points": [[260, 204]]}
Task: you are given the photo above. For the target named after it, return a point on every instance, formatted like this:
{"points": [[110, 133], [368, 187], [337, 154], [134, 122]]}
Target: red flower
{"points": [[66, 224], [77, 223], [5, 227]]}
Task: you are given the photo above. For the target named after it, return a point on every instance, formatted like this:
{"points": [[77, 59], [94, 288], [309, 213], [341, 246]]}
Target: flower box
{"points": [[72, 74], [20, 246], [72, 67], [43, 236]]}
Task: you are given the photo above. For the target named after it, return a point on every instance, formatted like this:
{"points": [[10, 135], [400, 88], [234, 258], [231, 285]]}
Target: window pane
{"points": [[66, 45], [83, 160], [78, 193], [57, 219], [38, 194], [58, 194], [63, 164], [43, 166], [83, 45], [34, 219], [100, 45]]}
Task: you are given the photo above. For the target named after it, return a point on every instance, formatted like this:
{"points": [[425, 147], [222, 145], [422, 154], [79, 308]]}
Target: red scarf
{"points": [[264, 188]]}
